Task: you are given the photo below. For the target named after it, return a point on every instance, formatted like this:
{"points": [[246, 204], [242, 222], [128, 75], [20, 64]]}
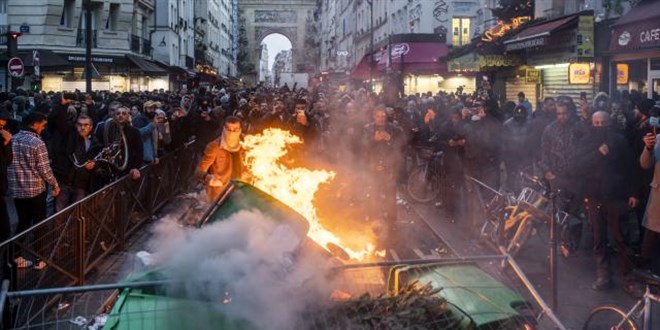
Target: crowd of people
{"points": [[602, 154]]}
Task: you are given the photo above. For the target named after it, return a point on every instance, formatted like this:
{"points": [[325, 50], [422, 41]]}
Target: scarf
{"points": [[230, 141]]}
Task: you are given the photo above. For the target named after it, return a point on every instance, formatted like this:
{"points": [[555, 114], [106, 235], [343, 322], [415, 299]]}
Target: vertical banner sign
{"points": [[585, 36], [35, 63]]}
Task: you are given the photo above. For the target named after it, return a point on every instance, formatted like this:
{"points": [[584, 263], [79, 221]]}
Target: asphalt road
{"points": [[576, 273]]}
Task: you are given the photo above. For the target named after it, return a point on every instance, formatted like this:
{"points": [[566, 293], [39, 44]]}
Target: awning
{"points": [[146, 66], [47, 59], [416, 57], [536, 35], [361, 71], [638, 29]]}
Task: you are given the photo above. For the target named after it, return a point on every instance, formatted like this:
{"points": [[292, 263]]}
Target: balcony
{"points": [[146, 47], [135, 44], [81, 40]]}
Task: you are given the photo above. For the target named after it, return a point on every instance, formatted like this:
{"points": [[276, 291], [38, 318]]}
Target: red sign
{"points": [[15, 67]]}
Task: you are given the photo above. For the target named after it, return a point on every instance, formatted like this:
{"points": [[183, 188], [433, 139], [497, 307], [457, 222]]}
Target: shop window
{"points": [[66, 19]]}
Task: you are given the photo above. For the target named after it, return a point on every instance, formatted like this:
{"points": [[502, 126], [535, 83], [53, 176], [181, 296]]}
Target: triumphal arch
{"points": [[292, 18]]}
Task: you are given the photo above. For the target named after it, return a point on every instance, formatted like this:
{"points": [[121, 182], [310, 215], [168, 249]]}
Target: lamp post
{"points": [[371, 45], [88, 46]]}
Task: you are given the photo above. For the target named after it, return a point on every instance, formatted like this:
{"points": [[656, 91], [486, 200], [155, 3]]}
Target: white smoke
{"points": [[248, 264]]}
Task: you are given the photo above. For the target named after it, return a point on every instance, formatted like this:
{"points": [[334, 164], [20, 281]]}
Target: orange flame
{"points": [[294, 187]]}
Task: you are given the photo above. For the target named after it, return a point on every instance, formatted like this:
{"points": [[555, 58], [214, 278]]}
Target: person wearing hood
{"points": [[516, 150], [605, 164], [222, 159]]}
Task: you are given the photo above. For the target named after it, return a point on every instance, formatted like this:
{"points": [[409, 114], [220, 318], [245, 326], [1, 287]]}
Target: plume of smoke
{"points": [[248, 264]]}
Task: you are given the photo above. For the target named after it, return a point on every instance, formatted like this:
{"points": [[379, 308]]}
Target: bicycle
{"points": [[613, 317], [512, 220], [114, 156], [424, 180]]}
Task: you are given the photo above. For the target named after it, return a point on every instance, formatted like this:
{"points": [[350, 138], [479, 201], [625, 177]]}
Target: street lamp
{"points": [[371, 45]]}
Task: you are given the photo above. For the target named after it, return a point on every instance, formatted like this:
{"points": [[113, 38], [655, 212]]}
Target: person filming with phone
{"points": [[650, 159]]}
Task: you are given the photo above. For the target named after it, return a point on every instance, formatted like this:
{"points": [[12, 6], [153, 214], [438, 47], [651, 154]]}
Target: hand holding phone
{"points": [[650, 139]]}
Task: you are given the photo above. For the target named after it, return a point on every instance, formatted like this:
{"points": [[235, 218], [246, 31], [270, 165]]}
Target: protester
{"points": [[222, 159], [650, 159], [605, 165], [28, 176]]}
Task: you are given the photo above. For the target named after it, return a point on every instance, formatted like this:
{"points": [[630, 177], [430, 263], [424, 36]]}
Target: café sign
{"points": [[640, 35]]}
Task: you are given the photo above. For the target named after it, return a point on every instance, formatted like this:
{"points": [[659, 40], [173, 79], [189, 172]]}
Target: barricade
{"points": [[75, 240]]}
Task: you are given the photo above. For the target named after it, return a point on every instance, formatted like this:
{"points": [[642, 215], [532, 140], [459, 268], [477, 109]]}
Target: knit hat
{"points": [[645, 106]]}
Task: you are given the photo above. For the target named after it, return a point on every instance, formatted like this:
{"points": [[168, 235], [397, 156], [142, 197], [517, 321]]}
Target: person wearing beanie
{"points": [[645, 106]]}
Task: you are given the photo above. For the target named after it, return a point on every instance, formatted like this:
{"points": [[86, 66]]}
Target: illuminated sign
{"points": [[579, 73], [532, 76], [622, 73], [502, 28], [585, 36]]}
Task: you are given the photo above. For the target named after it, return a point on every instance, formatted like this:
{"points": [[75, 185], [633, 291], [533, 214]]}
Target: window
{"points": [[113, 17], [3, 6], [460, 27], [66, 19]]}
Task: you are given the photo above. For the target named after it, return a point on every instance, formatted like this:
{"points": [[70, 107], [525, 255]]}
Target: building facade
{"points": [[56, 30]]}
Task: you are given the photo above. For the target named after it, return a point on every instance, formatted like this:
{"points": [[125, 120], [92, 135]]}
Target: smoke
{"points": [[249, 265]]}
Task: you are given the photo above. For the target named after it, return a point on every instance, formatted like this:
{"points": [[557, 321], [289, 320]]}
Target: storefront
{"points": [[635, 50], [145, 75], [109, 73], [413, 58], [559, 56]]}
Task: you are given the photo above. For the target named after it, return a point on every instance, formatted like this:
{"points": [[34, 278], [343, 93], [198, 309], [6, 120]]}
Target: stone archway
{"points": [[291, 18]]}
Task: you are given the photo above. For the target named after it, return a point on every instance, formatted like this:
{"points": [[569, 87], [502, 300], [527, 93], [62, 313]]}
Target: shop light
{"points": [[551, 66]]}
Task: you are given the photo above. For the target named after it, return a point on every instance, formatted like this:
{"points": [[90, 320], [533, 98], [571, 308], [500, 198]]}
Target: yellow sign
{"points": [[585, 36], [579, 73], [532, 76], [622, 73]]}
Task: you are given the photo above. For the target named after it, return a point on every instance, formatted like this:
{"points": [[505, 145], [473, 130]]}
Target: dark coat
{"points": [[63, 163], [605, 177]]}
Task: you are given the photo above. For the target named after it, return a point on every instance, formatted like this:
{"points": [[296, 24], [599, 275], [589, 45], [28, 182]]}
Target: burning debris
{"points": [[414, 307], [297, 187]]}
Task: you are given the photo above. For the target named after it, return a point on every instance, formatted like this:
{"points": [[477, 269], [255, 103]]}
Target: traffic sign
{"points": [[35, 63], [15, 67]]}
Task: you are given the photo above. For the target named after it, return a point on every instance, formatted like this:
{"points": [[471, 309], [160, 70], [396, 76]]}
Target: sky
{"points": [[276, 43]]}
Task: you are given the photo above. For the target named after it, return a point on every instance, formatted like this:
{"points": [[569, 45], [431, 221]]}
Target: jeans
{"points": [[68, 195], [605, 216]]}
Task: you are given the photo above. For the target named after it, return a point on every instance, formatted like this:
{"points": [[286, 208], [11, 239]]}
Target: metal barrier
{"points": [[509, 299], [75, 240]]}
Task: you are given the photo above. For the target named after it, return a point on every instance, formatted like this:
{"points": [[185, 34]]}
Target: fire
{"points": [[294, 187]]}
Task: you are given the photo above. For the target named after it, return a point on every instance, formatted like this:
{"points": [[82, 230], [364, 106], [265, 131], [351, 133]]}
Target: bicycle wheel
{"points": [[419, 187], [116, 148], [608, 317]]}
